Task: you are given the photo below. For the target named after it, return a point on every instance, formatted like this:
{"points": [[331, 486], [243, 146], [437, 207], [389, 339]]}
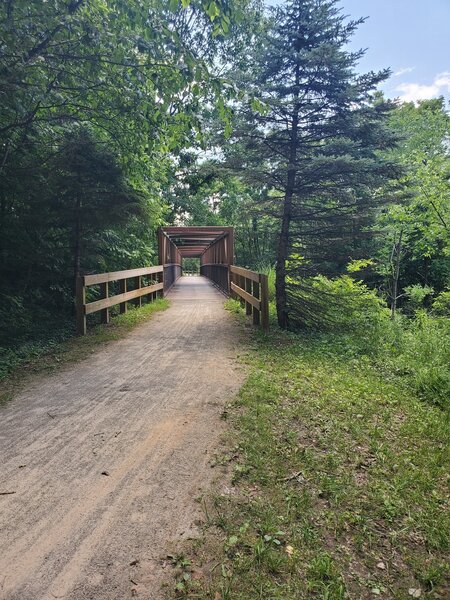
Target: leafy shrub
{"points": [[415, 349], [417, 295], [423, 355], [441, 304], [336, 305]]}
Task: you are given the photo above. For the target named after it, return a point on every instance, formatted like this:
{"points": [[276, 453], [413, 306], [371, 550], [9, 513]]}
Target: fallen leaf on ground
{"points": [[289, 550]]}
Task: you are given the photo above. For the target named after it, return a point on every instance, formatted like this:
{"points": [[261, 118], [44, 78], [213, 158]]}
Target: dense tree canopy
{"points": [[422, 218], [98, 100], [311, 135], [117, 117]]}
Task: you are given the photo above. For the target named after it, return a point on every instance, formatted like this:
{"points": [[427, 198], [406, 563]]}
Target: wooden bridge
{"points": [[213, 246], [102, 460]]}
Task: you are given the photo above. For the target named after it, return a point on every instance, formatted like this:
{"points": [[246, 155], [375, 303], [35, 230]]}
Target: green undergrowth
{"points": [[41, 357], [339, 482]]}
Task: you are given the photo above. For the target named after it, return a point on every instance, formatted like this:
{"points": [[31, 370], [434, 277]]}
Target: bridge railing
{"points": [[83, 308], [218, 274], [253, 290], [172, 271]]}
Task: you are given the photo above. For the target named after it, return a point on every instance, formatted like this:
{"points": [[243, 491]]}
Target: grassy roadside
{"points": [[48, 358], [339, 483]]}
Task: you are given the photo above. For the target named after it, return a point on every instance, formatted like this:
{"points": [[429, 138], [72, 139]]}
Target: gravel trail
{"points": [[107, 457]]}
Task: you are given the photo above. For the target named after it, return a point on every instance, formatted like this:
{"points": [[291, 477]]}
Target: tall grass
{"points": [[418, 350], [269, 270]]}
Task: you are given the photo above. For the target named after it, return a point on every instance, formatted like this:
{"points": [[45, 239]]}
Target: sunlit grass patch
{"points": [[340, 482]]}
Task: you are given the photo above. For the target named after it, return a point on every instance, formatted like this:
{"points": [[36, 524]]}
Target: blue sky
{"points": [[412, 37]]}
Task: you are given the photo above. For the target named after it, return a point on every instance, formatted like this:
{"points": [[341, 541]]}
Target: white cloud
{"points": [[404, 71], [411, 92]]}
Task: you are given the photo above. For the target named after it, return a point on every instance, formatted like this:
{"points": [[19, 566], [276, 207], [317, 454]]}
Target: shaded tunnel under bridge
{"points": [[213, 246]]}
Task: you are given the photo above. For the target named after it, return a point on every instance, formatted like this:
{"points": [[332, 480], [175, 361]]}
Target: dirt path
{"points": [[144, 410]]}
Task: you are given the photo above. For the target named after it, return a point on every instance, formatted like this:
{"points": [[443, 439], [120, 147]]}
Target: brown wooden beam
{"points": [[107, 302], [246, 296], [116, 275], [245, 273]]}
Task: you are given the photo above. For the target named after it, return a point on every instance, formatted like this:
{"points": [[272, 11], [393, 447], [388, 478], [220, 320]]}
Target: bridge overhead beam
{"points": [[212, 244]]}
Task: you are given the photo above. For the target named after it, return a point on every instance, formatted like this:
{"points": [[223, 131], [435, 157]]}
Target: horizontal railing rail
{"points": [[253, 290], [106, 301]]}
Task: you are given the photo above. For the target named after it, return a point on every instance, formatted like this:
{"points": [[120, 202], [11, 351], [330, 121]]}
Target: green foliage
{"points": [[422, 211], [417, 294], [347, 462], [316, 143], [416, 348], [419, 351], [441, 304], [98, 101], [55, 231], [340, 305], [270, 272], [191, 266], [358, 265]]}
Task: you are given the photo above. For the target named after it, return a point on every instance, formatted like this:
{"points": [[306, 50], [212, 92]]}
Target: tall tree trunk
{"points": [[283, 254], [77, 242], [284, 238], [395, 267]]}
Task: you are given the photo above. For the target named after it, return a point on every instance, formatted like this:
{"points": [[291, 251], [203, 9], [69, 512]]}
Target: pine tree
{"points": [[314, 137]]}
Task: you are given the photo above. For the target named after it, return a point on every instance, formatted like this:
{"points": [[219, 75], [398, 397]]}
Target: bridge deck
{"points": [[194, 289], [106, 456]]}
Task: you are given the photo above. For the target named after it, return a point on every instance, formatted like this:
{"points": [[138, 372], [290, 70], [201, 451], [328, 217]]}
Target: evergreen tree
{"points": [[312, 136]]}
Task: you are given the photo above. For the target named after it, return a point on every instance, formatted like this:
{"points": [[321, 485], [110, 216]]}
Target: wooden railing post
{"points": [[264, 301], [231, 280], [137, 285], [80, 301], [160, 279], [103, 304], [252, 289], [241, 280], [104, 313], [256, 313], [122, 290], [248, 288]]}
